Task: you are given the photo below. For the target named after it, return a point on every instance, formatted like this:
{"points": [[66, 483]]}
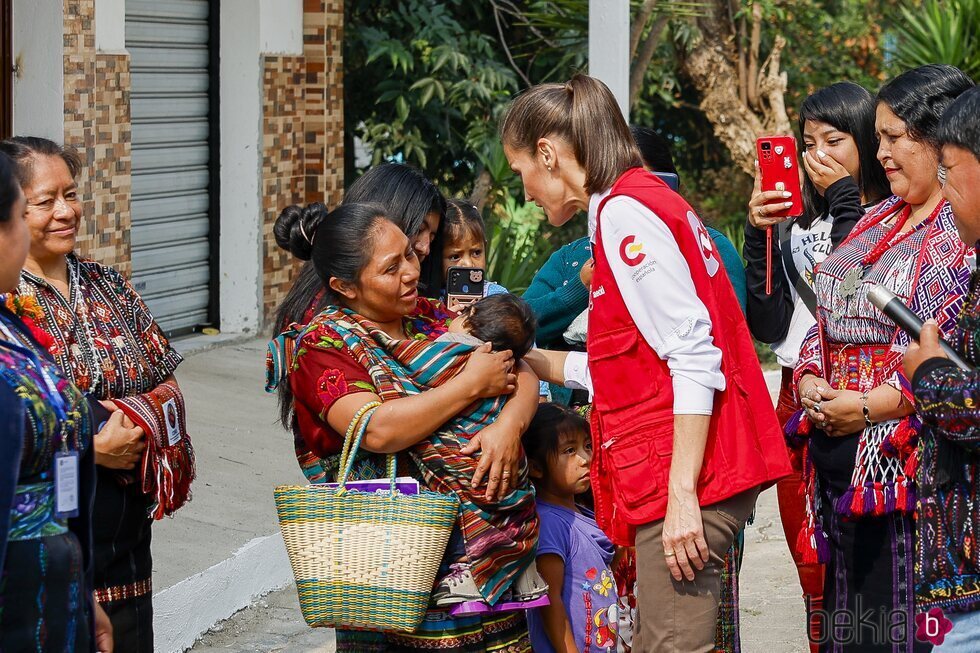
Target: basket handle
{"points": [[352, 443], [349, 437]]}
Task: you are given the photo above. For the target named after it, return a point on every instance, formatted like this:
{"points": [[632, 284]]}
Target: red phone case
{"points": [[780, 170]]}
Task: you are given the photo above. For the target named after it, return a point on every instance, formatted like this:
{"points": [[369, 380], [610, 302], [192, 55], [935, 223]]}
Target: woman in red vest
{"points": [[684, 431]]}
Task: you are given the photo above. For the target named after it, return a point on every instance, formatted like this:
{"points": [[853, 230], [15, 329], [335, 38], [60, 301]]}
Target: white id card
{"points": [[173, 422], [66, 484]]}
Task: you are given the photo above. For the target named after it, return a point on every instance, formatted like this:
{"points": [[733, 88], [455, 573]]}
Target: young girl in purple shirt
{"points": [[574, 556]]}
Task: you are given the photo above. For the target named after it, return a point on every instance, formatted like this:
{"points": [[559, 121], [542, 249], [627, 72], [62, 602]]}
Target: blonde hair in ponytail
{"points": [[582, 112]]}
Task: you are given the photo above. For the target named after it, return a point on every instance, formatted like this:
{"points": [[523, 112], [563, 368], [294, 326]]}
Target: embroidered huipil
{"points": [[947, 561], [860, 490], [45, 588], [107, 342], [856, 347]]}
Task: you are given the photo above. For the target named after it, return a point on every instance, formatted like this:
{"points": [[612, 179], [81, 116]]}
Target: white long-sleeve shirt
{"points": [[662, 301]]}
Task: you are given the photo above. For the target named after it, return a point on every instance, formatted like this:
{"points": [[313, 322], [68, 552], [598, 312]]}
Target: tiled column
{"points": [[302, 134], [97, 122]]}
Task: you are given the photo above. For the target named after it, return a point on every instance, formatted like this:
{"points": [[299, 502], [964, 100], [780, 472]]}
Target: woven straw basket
{"points": [[364, 560]]}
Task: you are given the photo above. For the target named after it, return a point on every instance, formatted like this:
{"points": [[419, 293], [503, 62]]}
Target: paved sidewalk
{"points": [[771, 607], [210, 560], [223, 549]]}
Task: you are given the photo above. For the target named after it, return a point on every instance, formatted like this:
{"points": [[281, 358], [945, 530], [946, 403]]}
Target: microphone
{"points": [[888, 303]]}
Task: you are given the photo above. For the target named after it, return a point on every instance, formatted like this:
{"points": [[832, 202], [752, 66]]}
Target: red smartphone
{"points": [[780, 170]]}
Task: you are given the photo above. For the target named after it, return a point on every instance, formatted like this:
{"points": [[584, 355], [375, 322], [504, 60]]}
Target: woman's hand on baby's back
{"points": [[490, 373], [499, 462]]}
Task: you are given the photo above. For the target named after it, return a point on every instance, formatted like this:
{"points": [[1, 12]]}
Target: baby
{"points": [[506, 321]]}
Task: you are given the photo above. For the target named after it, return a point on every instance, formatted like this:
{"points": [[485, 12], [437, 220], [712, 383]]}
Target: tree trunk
{"points": [[481, 189], [641, 61], [772, 84], [752, 74], [639, 23], [712, 64]]}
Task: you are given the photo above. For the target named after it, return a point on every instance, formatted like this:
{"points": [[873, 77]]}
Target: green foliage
{"points": [[720, 196], [425, 83], [939, 31], [829, 41], [427, 80], [520, 243]]}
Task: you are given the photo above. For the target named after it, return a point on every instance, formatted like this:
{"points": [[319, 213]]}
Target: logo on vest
{"points": [[631, 251], [705, 244], [596, 294]]}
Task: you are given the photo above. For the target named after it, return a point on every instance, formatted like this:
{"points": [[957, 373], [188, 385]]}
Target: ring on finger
{"points": [[670, 554], [818, 407]]}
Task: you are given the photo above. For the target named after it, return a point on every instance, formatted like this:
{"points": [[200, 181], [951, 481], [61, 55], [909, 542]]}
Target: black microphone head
{"points": [[879, 296]]}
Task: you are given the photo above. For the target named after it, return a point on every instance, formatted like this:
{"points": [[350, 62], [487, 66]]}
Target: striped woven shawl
{"points": [[499, 537]]}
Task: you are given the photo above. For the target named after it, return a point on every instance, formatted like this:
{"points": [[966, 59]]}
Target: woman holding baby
{"points": [[356, 356]]}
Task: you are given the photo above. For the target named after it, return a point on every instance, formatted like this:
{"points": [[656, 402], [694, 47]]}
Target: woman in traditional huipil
{"points": [[106, 341], [859, 411], [45, 536], [329, 370], [418, 208]]}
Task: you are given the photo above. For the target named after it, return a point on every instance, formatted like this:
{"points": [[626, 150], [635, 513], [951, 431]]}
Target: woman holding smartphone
{"points": [[836, 126], [682, 437]]}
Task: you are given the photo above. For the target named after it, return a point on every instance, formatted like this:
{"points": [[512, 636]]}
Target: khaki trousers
{"points": [[679, 617]]}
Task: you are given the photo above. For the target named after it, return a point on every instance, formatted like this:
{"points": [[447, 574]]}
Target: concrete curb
{"points": [[187, 610], [199, 343]]}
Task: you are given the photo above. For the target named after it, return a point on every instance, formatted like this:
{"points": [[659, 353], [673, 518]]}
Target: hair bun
{"points": [[295, 228]]}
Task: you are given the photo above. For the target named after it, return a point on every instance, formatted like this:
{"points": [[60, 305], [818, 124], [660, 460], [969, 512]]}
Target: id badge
{"points": [[66, 484], [173, 422]]}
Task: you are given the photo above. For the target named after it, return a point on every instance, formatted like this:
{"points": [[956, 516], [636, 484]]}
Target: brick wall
{"points": [[97, 122], [302, 134]]}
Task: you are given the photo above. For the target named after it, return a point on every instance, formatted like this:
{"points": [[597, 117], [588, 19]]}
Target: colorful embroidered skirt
{"points": [[494, 633], [42, 596]]}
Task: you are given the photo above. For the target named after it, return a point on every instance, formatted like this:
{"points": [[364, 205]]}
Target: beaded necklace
{"points": [[894, 236]]}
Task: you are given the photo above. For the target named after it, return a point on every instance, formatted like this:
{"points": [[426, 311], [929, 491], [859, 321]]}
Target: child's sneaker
{"points": [[529, 586], [457, 587], [527, 592]]}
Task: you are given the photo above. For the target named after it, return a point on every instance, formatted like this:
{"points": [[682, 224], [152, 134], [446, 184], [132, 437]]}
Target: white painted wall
{"points": [[244, 39], [240, 79], [609, 47], [281, 26], [110, 25], [39, 84]]}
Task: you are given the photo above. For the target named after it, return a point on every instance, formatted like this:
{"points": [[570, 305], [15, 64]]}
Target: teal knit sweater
{"points": [[557, 296], [556, 293]]}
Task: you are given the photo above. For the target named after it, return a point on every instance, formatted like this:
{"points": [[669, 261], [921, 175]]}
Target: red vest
{"points": [[633, 416]]}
